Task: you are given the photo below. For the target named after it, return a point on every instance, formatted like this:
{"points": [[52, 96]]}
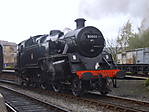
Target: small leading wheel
{"points": [[104, 86], [57, 87], [76, 87]]}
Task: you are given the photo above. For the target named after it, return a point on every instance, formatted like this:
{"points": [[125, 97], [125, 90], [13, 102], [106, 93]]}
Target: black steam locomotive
{"points": [[74, 60]]}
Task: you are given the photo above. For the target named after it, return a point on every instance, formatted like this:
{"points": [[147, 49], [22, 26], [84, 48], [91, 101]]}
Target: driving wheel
{"points": [[56, 86], [76, 87]]}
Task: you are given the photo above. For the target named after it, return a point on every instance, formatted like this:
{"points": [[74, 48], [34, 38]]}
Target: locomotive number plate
{"points": [[92, 36]]}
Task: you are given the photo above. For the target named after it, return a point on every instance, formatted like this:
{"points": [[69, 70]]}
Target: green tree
{"points": [[140, 40], [145, 38], [133, 42]]}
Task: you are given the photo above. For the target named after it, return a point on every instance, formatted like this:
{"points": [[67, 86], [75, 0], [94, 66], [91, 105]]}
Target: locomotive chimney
{"points": [[80, 22]]}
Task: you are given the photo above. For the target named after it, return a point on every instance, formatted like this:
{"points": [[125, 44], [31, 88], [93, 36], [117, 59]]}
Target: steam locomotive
{"points": [[74, 60]]}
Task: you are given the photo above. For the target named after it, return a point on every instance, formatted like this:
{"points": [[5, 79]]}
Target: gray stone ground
{"points": [[132, 89]]}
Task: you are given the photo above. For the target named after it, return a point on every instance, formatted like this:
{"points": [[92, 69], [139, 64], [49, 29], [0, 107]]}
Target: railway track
{"points": [[10, 108], [121, 103], [19, 102], [136, 77], [90, 102]]}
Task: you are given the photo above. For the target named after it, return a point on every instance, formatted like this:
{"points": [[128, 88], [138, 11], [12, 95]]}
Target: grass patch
{"points": [[146, 82]]}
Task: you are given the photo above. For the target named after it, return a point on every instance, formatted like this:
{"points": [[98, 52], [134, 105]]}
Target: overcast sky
{"points": [[20, 19]]}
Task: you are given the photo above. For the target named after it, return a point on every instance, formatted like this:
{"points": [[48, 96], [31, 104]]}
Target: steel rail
{"points": [[48, 106], [114, 103]]}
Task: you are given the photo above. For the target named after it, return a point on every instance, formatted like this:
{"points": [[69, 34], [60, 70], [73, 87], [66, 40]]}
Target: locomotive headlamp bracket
{"points": [[74, 58]]}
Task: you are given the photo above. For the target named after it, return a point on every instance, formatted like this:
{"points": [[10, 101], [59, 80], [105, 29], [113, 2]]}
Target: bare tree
{"points": [[112, 47], [124, 35]]}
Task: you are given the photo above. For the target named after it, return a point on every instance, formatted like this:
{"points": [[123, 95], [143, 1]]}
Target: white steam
{"points": [[99, 8]]}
